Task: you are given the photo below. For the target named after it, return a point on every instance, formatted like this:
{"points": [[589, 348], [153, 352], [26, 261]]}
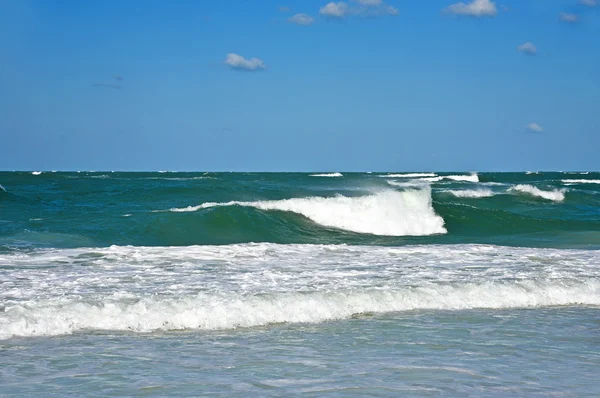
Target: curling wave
{"points": [[388, 213], [557, 195]]}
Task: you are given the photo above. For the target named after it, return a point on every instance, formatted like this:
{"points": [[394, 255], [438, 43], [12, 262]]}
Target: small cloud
{"points": [[589, 3], [118, 77], [236, 61], [334, 10], [534, 128], [476, 8], [527, 48], [363, 8], [380, 10], [285, 9], [302, 19], [570, 18], [114, 86], [370, 3]]}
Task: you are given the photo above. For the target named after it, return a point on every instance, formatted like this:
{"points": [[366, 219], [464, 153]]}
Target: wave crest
{"points": [[557, 195], [327, 175], [472, 193], [581, 181], [204, 311], [389, 213]]}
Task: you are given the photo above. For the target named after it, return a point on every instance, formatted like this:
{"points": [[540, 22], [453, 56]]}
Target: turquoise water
{"points": [[382, 284]]}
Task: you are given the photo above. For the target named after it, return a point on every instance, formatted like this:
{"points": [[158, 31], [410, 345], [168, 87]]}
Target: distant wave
{"points": [[472, 193], [408, 184], [36, 173], [327, 175], [388, 213], [467, 178], [581, 181], [230, 311], [557, 195], [181, 178], [409, 175]]}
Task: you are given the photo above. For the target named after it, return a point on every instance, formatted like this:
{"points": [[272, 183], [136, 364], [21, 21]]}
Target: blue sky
{"points": [[402, 85]]}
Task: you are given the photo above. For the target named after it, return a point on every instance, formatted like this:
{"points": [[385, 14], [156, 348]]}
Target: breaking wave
{"points": [[327, 175], [581, 181], [389, 213], [472, 193], [466, 178], [212, 311], [557, 195], [410, 175]]}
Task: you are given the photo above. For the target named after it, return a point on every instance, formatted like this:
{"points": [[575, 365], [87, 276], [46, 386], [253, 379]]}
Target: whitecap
{"points": [[472, 193], [390, 213], [409, 175], [218, 312], [327, 175], [573, 182], [557, 195]]}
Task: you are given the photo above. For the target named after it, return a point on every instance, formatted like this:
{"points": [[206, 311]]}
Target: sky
{"points": [[300, 85]]}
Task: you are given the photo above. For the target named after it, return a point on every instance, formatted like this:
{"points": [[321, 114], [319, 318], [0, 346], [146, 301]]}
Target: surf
{"points": [[388, 213]]}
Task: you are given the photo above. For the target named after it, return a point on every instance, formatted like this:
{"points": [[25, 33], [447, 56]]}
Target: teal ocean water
{"points": [[270, 284]]}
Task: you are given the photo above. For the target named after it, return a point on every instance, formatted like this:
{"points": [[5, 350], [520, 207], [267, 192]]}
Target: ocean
{"points": [[283, 284]]}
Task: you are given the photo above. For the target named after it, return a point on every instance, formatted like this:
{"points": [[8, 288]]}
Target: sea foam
{"points": [[388, 213], [464, 178], [142, 289], [327, 175], [557, 195], [409, 175], [572, 182], [213, 311], [472, 193]]}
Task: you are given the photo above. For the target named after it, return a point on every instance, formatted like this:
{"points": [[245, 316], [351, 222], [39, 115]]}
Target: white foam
{"points": [[2, 188], [466, 178], [409, 175], [469, 178], [388, 213], [61, 291], [408, 184], [36, 173], [211, 311], [472, 193], [327, 175], [557, 195], [532, 172], [571, 182]]}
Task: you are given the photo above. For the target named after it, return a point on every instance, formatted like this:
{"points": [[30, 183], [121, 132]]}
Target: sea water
{"points": [[270, 284]]}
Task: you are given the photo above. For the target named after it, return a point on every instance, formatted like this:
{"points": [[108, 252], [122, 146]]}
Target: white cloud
{"points": [[236, 61], [589, 3], [370, 3], [302, 19], [476, 8], [535, 128], [527, 48], [334, 10], [366, 8], [382, 10], [570, 18]]}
